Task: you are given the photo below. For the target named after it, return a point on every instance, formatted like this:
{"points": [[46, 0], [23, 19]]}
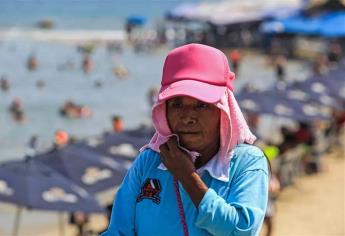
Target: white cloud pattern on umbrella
{"points": [[5, 189], [283, 110], [94, 142], [124, 149], [326, 99], [342, 92], [318, 87], [249, 104], [56, 194], [297, 94], [310, 110], [93, 175]]}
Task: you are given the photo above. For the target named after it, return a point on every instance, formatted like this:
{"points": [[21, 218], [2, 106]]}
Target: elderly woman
{"points": [[199, 175]]}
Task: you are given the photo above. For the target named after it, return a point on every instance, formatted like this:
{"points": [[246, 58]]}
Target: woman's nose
{"points": [[189, 121], [189, 118]]}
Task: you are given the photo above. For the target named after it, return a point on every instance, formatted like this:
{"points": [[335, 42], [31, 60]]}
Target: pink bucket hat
{"points": [[198, 71]]}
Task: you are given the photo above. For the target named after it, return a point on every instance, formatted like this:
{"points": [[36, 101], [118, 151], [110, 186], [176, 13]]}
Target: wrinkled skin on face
{"points": [[196, 123]]}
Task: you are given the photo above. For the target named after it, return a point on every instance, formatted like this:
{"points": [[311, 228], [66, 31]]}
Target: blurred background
{"points": [[78, 79]]}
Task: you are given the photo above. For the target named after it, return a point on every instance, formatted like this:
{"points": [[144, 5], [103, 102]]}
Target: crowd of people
{"points": [[302, 145]]}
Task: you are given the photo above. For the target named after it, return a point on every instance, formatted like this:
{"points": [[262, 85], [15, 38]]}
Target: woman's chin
{"points": [[191, 146]]}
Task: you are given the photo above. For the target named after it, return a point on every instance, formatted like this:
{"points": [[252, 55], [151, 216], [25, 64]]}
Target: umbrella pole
{"points": [[61, 225], [17, 221]]}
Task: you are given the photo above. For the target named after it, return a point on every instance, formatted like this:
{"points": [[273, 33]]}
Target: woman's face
{"points": [[195, 122]]}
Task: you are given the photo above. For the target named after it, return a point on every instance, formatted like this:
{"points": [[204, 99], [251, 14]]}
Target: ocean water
{"points": [[123, 97], [85, 14], [127, 98]]}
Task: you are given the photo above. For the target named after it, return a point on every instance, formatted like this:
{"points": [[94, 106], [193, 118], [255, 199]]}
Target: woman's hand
{"points": [[181, 166], [177, 161]]}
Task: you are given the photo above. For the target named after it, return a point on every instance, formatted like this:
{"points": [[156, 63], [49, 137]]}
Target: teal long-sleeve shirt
{"points": [[146, 202]]}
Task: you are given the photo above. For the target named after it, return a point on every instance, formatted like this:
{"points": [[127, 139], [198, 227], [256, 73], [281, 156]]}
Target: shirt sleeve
{"points": [[122, 221], [243, 211]]}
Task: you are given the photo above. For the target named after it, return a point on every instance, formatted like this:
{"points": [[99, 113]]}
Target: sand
{"points": [[315, 204]]}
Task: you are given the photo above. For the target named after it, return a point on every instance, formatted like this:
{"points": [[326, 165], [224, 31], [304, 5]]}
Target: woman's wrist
{"points": [[195, 187]]}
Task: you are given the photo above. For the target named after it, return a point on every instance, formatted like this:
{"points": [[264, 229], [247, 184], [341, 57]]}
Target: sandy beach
{"points": [[315, 204]]}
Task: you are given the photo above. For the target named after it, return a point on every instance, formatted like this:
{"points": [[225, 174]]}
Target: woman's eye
{"points": [[203, 105], [176, 105]]}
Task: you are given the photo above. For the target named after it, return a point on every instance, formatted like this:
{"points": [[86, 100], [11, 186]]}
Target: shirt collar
{"points": [[217, 169]]}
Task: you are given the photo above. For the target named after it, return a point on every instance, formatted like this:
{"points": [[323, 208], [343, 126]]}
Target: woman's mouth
{"points": [[188, 133]]}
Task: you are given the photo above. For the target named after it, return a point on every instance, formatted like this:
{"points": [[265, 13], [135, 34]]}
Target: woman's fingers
{"points": [[172, 144], [164, 151], [164, 148]]}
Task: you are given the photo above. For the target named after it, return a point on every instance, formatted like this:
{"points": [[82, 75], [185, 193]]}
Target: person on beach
{"points": [[117, 124], [32, 63], [61, 139], [16, 109], [199, 174], [4, 83], [235, 58], [152, 96], [334, 54], [87, 64], [79, 220], [280, 65]]}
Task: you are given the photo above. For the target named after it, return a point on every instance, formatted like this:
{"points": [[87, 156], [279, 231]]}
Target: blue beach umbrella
{"points": [[273, 103], [92, 171], [332, 84], [335, 80], [302, 91], [33, 185], [118, 146], [145, 132]]}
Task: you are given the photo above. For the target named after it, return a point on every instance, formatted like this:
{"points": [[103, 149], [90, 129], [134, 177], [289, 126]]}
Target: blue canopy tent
{"points": [[281, 12], [35, 186], [327, 25], [217, 13], [334, 25], [137, 20], [296, 24], [181, 12]]}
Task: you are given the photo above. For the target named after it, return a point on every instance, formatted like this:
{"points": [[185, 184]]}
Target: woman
{"points": [[196, 176]]}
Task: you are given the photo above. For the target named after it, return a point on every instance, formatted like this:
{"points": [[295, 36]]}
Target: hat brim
{"points": [[202, 91]]}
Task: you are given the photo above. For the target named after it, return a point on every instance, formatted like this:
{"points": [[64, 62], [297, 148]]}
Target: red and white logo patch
{"points": [[150, 190]]}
